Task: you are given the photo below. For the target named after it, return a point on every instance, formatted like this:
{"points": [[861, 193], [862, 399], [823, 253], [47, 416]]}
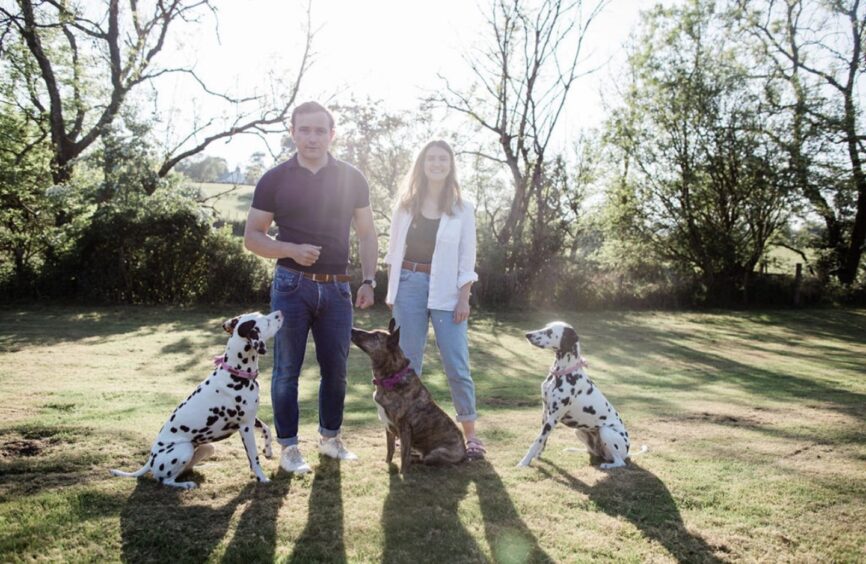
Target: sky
{"points": [[387, 50]]}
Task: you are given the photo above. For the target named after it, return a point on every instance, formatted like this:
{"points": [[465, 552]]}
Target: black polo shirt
{"points": [[316, 209]]}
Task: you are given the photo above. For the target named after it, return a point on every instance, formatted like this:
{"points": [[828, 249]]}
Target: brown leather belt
{"points": [[416, 266], [315, 277]]}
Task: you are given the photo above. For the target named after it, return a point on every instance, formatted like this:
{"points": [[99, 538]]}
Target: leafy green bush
{"points": [[161, 249], [233, 274]]}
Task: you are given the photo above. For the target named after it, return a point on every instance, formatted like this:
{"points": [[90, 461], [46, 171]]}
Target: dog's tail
{"points": [[138, 473], [266, 433], [643, 450]]}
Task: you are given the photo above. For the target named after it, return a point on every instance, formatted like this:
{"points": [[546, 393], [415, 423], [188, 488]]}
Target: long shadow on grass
{"points": [[157, 525], [638, 495], [421, 520], [322, 539]]}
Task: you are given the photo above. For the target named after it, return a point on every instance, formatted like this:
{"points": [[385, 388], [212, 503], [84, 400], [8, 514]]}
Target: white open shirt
{"points": [[453, 263]]}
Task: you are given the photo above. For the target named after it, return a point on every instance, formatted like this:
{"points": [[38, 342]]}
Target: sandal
{"points": [[475, 449]]}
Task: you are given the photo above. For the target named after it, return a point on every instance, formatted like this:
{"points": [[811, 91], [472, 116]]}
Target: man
{"points": [[313, 198]]}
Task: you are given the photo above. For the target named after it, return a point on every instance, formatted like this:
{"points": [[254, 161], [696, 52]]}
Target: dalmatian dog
{"points": [[225, 402], [571, 398]]}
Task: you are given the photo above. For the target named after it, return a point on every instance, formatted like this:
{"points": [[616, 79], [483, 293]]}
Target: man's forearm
{"points": [[266, 246], [368, 248]]}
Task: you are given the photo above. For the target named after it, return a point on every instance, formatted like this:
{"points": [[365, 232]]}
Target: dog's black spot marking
{"points": [[160, 480], [566, 401], [172, 418], [168, 475], [589, 409], [546, 428], [246, 360], [161, 467], [184, 428], [174, 460], [231, 412], [589, 391], [247, 347], [616, 446], [160, 443], [246, 429], [240, 413], [238, 398], [240, 355], [211, 420], [603, 417], [160, 451], [571, 378], [207, 382], [174, 429]]}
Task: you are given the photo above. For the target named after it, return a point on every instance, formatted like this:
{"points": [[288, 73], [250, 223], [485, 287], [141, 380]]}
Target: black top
{"points": [[316, 209], [421, 239]]}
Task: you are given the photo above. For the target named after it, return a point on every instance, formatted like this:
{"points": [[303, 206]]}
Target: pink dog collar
{"points": [[581, 363], [220, 362], [391, 381]]}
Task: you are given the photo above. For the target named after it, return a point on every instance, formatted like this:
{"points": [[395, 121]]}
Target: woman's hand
{"points": [[461, 312]]}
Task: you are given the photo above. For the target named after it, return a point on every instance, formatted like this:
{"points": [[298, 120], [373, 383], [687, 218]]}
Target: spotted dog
{"points": [[225, 402], [570, 397]]}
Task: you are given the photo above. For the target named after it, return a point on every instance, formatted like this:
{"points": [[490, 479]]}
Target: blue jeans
{"points": [[326, 308], [412, 315]]}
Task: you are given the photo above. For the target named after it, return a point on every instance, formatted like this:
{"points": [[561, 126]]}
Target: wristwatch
{"points": [[369, 281]]}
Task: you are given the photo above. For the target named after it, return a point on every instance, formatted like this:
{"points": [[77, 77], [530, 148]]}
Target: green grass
{"points": [[756, 423]]}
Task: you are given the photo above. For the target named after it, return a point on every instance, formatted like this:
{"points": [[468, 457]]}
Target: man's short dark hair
{"points": [[312, 108]]}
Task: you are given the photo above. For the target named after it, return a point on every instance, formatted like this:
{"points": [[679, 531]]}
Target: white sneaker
{"points": [[292, 461], [333, 447]]}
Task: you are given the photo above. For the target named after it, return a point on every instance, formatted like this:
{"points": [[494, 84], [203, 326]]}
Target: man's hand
{"points": [[364, 298], [304, 254], [461, 312]]}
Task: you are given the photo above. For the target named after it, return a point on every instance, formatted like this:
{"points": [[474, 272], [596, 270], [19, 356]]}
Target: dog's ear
{"points": [[230, 324], [392, 325], [394, 337], [248, 330], [569, 340]]}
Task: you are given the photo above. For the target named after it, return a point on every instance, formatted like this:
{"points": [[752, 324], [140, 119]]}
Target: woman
{"points": [[431, 256]]}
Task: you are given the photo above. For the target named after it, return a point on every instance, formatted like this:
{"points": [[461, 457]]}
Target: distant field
{"points": [[230, 202], [756, 424]]}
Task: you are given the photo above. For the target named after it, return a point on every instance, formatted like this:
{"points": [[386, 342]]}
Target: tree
{"points": [[204, 169], [703, 183], [523, 78], [255, 167], [816, 50], [76, 66]]}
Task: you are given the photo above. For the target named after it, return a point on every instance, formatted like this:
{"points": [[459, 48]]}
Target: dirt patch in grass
{"points": [[21, 447]]}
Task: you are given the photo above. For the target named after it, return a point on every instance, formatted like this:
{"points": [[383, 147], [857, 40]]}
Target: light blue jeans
{"points": [[412, 315]]}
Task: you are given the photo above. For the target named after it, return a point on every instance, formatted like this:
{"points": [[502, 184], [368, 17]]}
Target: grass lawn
{"points": [[756, 423]]}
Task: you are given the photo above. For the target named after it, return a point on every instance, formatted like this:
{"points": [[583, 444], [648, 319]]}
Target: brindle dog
{"points": [[405, 406]]}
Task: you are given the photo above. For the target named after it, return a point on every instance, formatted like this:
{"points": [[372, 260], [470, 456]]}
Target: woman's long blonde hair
{"points": [[414, 188]]}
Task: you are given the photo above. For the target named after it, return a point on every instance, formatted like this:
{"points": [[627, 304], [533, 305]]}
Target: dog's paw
{"points": [[263, 480], [522, 464]]}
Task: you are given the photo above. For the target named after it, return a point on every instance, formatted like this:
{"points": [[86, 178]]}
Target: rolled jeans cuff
{"points": [[327, 433], [468, 417], [290, 441]]}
